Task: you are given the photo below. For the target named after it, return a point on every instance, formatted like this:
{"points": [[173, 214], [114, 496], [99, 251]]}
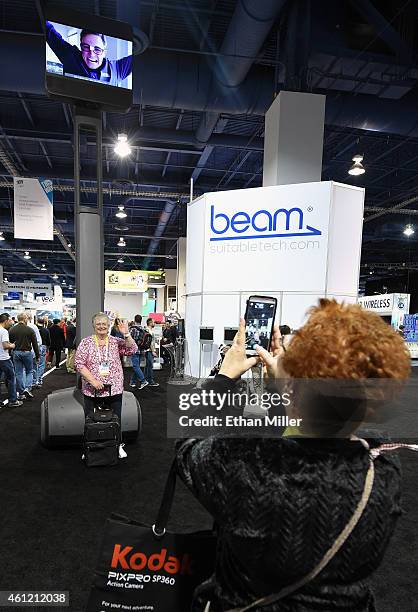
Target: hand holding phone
{"points": [[236, 361], [272, 359]]}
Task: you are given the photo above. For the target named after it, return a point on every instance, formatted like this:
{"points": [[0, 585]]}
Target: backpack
{"points": [[142, 338]]}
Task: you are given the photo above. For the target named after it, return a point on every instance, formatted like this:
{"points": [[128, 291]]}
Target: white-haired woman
{"points": [[98, 361]]}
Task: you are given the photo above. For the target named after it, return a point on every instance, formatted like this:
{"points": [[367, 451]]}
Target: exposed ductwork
{"points": [[159, 230], [249, 28], [176, 80]]}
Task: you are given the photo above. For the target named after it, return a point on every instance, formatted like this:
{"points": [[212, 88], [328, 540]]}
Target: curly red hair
{"points": [[345, 341]]}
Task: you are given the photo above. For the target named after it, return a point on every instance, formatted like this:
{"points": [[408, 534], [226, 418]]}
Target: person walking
{"points": [[137, 333], [6, 364], [31, 324], [70, 346], [24, 339], [57, 342], [43, 350], [149, 355]]}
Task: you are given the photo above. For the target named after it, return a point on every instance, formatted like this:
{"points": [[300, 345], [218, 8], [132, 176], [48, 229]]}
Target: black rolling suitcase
{"points": [[102, 436]]}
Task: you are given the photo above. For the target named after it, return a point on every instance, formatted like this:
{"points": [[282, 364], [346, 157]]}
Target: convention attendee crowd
{"points": [[28, 349]]}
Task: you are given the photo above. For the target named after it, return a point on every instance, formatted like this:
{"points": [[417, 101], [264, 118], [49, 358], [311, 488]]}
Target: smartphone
{"points": [[259, 320]]}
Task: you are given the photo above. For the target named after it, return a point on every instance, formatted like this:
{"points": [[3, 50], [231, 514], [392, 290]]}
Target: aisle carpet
{"points": [[53, 508]]}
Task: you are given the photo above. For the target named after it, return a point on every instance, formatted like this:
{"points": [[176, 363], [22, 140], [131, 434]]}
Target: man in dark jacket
{"points": [[90, 60], [57, 342], [24, 339], [70, 346]]}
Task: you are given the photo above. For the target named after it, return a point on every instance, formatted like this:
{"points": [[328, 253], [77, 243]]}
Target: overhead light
{"points": [[371, 272], [409, 230], [55, 276], [5, 280], [1, 236], [121, 214], [64, 282], [121, 260], [69, 245], [26, 255], [122, 147], [43, 267], [121, 242], [70, 286], [357, 168]]}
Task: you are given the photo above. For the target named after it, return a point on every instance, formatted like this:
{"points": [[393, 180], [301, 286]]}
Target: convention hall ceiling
{"points": [[362, 55]]}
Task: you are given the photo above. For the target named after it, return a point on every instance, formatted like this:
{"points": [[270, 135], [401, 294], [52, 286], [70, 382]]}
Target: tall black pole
{"points": [[89, 238]]}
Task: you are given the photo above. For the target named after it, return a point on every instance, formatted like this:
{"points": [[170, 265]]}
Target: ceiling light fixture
{"points": [[1, 236], [64, 282], [121, 260], [55, 276], [122, 147], [26, 255], [409, 230], [121, 214], [357, 168], [121, 242], [69, 245], [70, 286], [5, 280]]}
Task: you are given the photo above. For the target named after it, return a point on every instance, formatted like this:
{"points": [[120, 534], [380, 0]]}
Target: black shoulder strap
{"points": [[166, 501]]}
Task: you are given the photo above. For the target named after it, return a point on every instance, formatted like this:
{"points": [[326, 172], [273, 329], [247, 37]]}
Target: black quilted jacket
{"points": [[279, 505]]}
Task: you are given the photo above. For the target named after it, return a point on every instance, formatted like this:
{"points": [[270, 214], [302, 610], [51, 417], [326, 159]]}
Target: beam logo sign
{"points": [[262, 223]]}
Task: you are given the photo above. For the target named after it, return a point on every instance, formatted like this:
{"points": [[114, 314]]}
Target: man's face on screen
{"points": [[93, 51]]}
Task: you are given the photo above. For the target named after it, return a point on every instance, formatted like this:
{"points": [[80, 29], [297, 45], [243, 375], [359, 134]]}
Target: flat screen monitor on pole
{"points": [[88, 59]]}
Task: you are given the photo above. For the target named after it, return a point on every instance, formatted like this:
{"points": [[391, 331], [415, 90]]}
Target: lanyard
{"points": [[98, 349]]}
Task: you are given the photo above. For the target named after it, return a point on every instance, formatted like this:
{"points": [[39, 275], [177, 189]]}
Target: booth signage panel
{"points": [[273, 236], [380, 304], [395, 304], [33, 209], [129, 282], [35, 288]]}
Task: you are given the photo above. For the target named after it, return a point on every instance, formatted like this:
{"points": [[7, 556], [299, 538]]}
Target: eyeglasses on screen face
{"points": [[96, 50]]}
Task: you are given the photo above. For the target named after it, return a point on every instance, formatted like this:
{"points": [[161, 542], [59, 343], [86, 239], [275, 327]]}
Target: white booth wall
{"points": [[311, 250], [126, 304]]}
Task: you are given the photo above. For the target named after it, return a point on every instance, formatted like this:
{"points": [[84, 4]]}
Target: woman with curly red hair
{"points": [[303, 521]]}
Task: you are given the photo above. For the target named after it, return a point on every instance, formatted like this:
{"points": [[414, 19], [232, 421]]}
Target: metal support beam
{"points": [[45, 152], [384, 29], [26, 109]]}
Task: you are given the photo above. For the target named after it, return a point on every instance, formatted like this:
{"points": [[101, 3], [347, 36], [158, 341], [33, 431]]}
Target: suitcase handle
{"points": [[106, 386]]}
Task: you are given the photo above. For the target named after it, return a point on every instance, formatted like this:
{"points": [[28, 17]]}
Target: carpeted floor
{"points": [[53, 508]]}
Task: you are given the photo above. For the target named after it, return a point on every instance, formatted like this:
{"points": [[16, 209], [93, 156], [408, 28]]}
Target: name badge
{"points": [[104, 369]]}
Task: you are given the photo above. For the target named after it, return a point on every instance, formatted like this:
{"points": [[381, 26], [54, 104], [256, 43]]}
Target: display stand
{"points": [[177, 355]]}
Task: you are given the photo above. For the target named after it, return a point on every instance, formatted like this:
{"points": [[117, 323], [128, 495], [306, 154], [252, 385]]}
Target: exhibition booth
{"points": [[296, 243]]}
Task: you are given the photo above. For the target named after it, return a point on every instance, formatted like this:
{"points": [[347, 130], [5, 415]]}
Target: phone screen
{"points": [[259, 320]]}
